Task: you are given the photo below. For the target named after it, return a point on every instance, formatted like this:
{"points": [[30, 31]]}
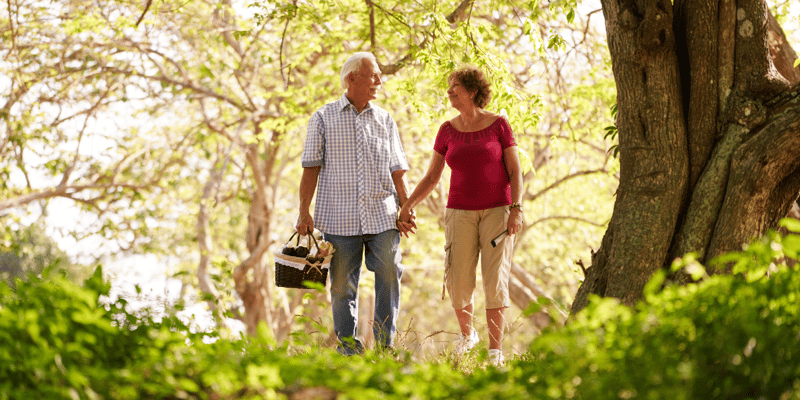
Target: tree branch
{"points": [[564, 179], [183, 84], [781, 51], [754, 71], [11, 26], [146, 8], [566, 217], [280, 52], [371, 25], [460, 13]]}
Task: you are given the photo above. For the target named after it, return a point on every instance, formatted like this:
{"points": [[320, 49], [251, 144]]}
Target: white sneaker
{"points": [[496, 358], [466, 343]]}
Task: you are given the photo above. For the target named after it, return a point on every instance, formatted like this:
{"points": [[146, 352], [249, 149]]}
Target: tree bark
{"points": [[709, 131], [652, 151]]}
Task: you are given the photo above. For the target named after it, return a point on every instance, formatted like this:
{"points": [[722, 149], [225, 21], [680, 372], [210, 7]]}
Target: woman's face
{"points": [[458, 95]]}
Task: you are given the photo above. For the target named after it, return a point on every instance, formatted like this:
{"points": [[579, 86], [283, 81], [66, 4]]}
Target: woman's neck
{"points": [[472, 119], [471, 115]]}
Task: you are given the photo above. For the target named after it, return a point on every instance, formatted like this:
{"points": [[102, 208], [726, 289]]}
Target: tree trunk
{"points": [[262, 301], [652, 151], [709, 131]]}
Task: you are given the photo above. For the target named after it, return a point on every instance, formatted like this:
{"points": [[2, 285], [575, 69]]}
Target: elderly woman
{"points": [[483, 202]]}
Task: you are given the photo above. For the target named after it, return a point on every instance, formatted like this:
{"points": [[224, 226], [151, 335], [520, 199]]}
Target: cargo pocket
{"points": [[448, 244], [448, 258]]}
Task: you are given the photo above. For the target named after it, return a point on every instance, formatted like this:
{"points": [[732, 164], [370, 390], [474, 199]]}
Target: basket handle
{"points": [[314, 239], [297, 243], [310, 234]]}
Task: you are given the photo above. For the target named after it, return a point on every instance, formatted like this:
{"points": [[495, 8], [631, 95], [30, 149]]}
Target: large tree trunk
{"points": [[709, 130], [652, 151]]}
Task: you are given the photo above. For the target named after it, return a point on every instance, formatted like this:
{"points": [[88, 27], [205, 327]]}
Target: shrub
{"points": [[725, 337], [58, 341], [729, 336]]}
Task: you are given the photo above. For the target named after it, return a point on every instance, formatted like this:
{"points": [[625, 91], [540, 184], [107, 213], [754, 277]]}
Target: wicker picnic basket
{"points": [[292, 270]]}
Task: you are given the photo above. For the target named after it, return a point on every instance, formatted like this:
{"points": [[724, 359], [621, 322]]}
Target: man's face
{"points": [[365, 82]]}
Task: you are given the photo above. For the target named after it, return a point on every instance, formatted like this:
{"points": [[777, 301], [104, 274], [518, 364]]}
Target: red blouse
{"points": [[479, 179]]}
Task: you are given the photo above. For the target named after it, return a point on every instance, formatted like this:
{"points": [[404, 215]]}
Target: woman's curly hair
{"points": [[473, 80]]}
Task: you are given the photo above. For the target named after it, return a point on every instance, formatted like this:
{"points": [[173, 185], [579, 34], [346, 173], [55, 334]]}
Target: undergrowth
{"points": [[725, 337]]}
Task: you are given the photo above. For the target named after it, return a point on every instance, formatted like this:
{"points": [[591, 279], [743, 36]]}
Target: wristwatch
{"points": [[516, 205]]}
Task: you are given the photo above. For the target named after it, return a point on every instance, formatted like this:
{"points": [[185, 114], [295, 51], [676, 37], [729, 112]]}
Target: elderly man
{"points": [[353, 153]]}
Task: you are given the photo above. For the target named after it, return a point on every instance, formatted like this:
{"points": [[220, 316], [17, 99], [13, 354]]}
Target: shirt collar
{"points": [[343, 102]]}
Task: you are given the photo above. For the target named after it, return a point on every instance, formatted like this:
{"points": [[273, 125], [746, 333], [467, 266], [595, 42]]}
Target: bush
{"points": [[726, 337], [722, 339], [58, 341]]}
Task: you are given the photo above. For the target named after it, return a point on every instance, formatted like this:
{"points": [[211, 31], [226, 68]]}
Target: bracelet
{"points": [[515, 205]]}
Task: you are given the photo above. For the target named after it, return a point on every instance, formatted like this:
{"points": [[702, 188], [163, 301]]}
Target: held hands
{"points": [[406, 221]]}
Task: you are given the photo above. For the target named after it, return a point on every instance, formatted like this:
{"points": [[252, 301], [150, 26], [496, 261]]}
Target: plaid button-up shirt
{"points": [[357, 154]]}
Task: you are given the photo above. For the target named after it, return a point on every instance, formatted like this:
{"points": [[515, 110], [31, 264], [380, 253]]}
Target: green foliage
{"points": [[724, 337], [150, 126], [612, 132], [28, 251], [59, 340]]}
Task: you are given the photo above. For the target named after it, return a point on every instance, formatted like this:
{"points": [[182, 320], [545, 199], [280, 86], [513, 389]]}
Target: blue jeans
{"points": [[382, 256]]}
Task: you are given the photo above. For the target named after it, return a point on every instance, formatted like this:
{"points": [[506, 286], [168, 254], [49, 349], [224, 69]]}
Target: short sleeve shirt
{"points": [[357, 154], [478, 179]]}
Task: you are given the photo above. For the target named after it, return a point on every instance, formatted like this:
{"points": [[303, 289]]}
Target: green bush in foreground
{"points": [[722, 339], [727, 337]]}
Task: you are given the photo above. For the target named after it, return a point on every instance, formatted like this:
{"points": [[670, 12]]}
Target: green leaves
{"points": [[790, 224], [611, 133], [790, 242], [720, 338], [556, 42], [724, 337], [763, 256]]}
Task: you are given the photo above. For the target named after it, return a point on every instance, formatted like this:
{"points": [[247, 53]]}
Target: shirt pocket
{"points": [[378, 150], [378, 156]]}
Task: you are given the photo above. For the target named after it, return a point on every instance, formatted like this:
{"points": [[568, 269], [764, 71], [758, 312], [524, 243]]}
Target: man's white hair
{"points": [[353, 64]]}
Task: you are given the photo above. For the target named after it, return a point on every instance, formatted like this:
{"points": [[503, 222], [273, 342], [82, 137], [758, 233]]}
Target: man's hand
{"points": [[406, 221], [305, 224]]}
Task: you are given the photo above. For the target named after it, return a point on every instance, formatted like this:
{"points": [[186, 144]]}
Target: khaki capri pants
{"points": [[468, 235]]}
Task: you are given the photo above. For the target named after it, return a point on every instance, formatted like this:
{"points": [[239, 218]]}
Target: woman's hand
{"points": [[406, 221], [515, 221]]}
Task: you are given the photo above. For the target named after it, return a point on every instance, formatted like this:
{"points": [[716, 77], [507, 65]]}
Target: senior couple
{"points": [[353, 159]]}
